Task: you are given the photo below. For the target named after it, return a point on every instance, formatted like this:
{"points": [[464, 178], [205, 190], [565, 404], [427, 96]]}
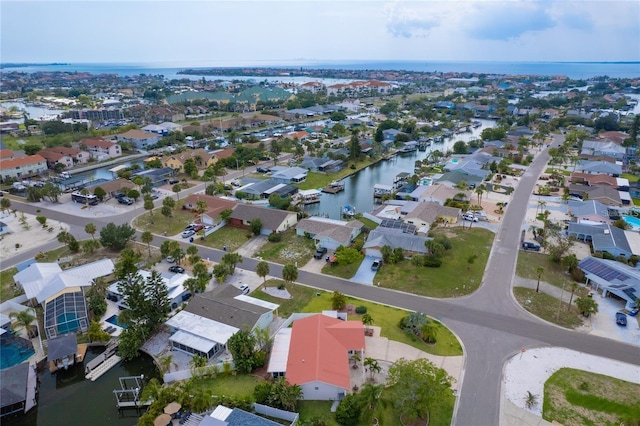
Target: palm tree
{"points": [[367, 320], [373, 366], [530, 400], [146, 238], [196, 362], [573, 286], [23, 319], [479, 191], [90, 229], [539, 272], [165, 362], [356, 358], [369, 397]]}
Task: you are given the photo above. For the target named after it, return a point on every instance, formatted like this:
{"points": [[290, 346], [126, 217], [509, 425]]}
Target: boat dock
{"points": [[102, 363], [130, 393], [79, 357], [309, 196], [334, 187]]}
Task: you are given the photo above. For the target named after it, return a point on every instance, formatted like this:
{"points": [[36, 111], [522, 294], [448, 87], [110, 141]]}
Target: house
{"points": [[474, 164], [18, 386], [454, 177], [175, 288], [211, 318], [201, 158], [589, 211], [314, 354], [394, 238], [65, 156], [599, 167], [283, 174], [604, 194], [163, 128], [54, 158], [141, 140], [101, 149], [613, 277], [262, 189], [598, 148], [213, 207], [157, 177], [606, 237], [22, 167], [329, 233], [426, 213], [437, 193], [223, 416], [273, 220], [61, 351], [115, 186], [62, 293], [312, 86]]}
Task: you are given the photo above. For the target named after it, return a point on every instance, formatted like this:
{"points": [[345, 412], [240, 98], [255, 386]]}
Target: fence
{"points": [[277, 413]]}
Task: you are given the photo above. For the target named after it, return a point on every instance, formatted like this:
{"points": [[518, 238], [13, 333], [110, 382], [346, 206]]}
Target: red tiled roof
{"points": [[100, 143], [24, 161], [225, 153], [6, 153], [318, 350]]}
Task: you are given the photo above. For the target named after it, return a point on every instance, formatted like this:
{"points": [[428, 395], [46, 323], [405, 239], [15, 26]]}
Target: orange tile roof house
{"points": [[23, 167], [314, 353], [101, 149]]}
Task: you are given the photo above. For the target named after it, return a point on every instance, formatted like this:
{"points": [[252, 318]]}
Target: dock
{"points": [[102, 363], [130, 393], [333, 187]]}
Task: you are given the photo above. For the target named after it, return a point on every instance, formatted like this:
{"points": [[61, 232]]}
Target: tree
{"points": [[429, 332], [256, 226], [99, 192], [134, 194], [470, 260], [42, 220], [5, 204], [348, 411], [530, 400], [146, 238], [149, 206], [90, 229], [177, 188], [200, 271], [90, 246], [539, 272], [373, 366], [166, 211], [116, 237], [95, 333], [587, 306], [231, 260], [415, 386], [289, 273], [51, 191], [23, 319], [369, 397], [165, 362], [242, 346], [262, 269], [169, 202], [460, 147], [338, 301], [196, 362]]}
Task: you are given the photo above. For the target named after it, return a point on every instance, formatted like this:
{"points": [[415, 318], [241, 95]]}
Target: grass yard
{"points": [[159, 224], [228, 236], [317, 180], [309, 410], [54, 255], [630, 177], [576, 397], [445, 281], [235, 386], [528, 263], [388, 318], [292, 248], [6, 285], [546, 307], [367, 222], [300, 297], [342, 270]]}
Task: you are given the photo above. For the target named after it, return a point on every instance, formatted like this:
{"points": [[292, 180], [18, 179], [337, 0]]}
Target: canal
{"points": [[67, 398], [358, 190]]}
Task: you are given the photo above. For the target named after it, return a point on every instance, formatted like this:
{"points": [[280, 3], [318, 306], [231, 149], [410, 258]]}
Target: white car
{"points": [[245, 289], [470, 217]]}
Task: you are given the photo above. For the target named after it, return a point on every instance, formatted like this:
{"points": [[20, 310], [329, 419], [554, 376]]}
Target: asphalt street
{"points": [[489, 322]]}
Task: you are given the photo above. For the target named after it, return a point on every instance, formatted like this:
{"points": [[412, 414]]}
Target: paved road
{"points": [[491, 325]]}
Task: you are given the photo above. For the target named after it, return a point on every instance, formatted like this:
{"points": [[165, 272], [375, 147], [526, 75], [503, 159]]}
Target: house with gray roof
{"points": [[262, 189], [273, 220], [596, 148], [324, 164], [472, 164], [329, 233], [223, 416], [394, 238], [599, 167], [17, 389], [603, 194], [211, 318], [288, 174], [588, 211], [454, 178], [613, 277], [606, 237]]}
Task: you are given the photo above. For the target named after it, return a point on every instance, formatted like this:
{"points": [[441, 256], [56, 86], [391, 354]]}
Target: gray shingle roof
{"points": [[393, 238], [62, 346], [14, 384], [589, 207], [271, 218]]}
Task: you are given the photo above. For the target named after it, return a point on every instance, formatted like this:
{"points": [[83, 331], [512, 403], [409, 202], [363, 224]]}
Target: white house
{"points": [[329, 233]]}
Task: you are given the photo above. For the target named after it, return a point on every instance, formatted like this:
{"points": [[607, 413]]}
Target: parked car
{"points": [[526, 245], [173, 181], [176, 269], [621, 319], [245, 289], [320, 252], [188, 233], [376, 264], [470, 216], [197, 228], [634, 312], [186, 296], [125, 200], [262, 170], [169, 259]]}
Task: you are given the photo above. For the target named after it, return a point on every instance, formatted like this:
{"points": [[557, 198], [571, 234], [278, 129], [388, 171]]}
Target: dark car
{"points": [[530, 246], [262, 170], [320, 252], [176, 269], [621, 319], [125, 200], [376, 264], [173, 181]]}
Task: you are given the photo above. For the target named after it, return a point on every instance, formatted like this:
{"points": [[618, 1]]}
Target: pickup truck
{"points": [[320, 252]]}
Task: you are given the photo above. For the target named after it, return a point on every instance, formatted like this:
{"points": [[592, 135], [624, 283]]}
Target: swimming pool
{"points": [[14, 351], [454, 160], [633, 221], [113, 319]]}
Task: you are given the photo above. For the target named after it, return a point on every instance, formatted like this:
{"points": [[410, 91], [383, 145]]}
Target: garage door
{"points": [[373, 252]]}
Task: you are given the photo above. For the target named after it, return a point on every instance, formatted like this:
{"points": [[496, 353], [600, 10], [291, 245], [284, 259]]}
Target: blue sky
{"points": [[241, 32]]}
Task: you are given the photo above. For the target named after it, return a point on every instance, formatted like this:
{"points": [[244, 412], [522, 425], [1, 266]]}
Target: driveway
{"points": [[252, 246], [365, 275], [604, 322]]}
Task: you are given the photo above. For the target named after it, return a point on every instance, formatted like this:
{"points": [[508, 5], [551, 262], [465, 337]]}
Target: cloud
{"points": [[508, 20], [407, 23]]}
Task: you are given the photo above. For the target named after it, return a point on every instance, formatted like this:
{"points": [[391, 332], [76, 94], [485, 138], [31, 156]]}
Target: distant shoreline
{"points": [[29, 64]]}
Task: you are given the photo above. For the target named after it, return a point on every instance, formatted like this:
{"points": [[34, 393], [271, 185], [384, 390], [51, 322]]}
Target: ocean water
{"points": [[574, 70]]}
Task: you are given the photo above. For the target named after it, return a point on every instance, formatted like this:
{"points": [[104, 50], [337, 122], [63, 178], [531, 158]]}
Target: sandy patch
{"points": [[26, 233]]}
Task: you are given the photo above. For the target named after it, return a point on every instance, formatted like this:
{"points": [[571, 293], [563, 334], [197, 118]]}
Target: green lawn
{"points": [[317, 409], [367, 222], [159, 224], [300, 297], [6, 285], [547, 307], [292, 248], [388, 318], [54, 255], [447, 280], [235, 386], [228, 236], [317, 180], [576, 397], [345, 271], [631, 177], [528, 263]]}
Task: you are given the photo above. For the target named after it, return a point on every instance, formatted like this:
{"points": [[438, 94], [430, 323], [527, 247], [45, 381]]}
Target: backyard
{"points": [[576, 397], [292, 248], [446, 280]]}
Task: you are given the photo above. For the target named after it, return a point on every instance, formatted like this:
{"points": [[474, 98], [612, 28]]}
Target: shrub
{"points": [[281, 286], [261, 392], [259, 358], [361, 310], [577, 275], [607, 255], [275, 238], [348, 410]]}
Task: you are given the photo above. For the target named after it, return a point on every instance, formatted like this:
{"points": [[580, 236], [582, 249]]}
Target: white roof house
{"points": [[198, 332]]}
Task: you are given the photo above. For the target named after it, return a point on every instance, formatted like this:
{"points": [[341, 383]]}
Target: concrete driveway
{"points": [[604, 322], [252, 246], [365, 275]]}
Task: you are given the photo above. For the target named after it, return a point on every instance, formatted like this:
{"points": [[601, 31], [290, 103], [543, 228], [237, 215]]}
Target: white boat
{"points": [[348, 211], [309, 196]]}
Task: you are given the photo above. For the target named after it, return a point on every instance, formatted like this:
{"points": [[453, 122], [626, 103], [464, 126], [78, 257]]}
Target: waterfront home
{"points": [[617, 278], [68, 157], [588, 211], [114, 187], [18, 385], [437, 192], [426, 213], [308, 196], [101, 149], [455, 177], [62, 293], [211, 318], [314, 164], [140, 139], [201, 158], [176, 289], [312, 86], [283, 174], [22, 167], [262, 189], [157, 177], [606, 237], [314, 353], [380, 190], [273, 220], [54, 158], [329, 233], [223, 416], [62, 352], [394, 238]]}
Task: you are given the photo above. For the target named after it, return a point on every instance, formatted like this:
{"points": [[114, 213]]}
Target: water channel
{"points": [[358, 190]]}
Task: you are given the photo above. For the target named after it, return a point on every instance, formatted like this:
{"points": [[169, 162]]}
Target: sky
{"points": [[238, 32]]}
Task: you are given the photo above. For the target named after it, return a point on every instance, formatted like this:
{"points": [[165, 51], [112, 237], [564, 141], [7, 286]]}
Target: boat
{"points": [[309, 196], [348, 211]]}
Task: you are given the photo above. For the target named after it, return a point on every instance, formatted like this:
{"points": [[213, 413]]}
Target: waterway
{"points": [[67, 398], [358, 190]]}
